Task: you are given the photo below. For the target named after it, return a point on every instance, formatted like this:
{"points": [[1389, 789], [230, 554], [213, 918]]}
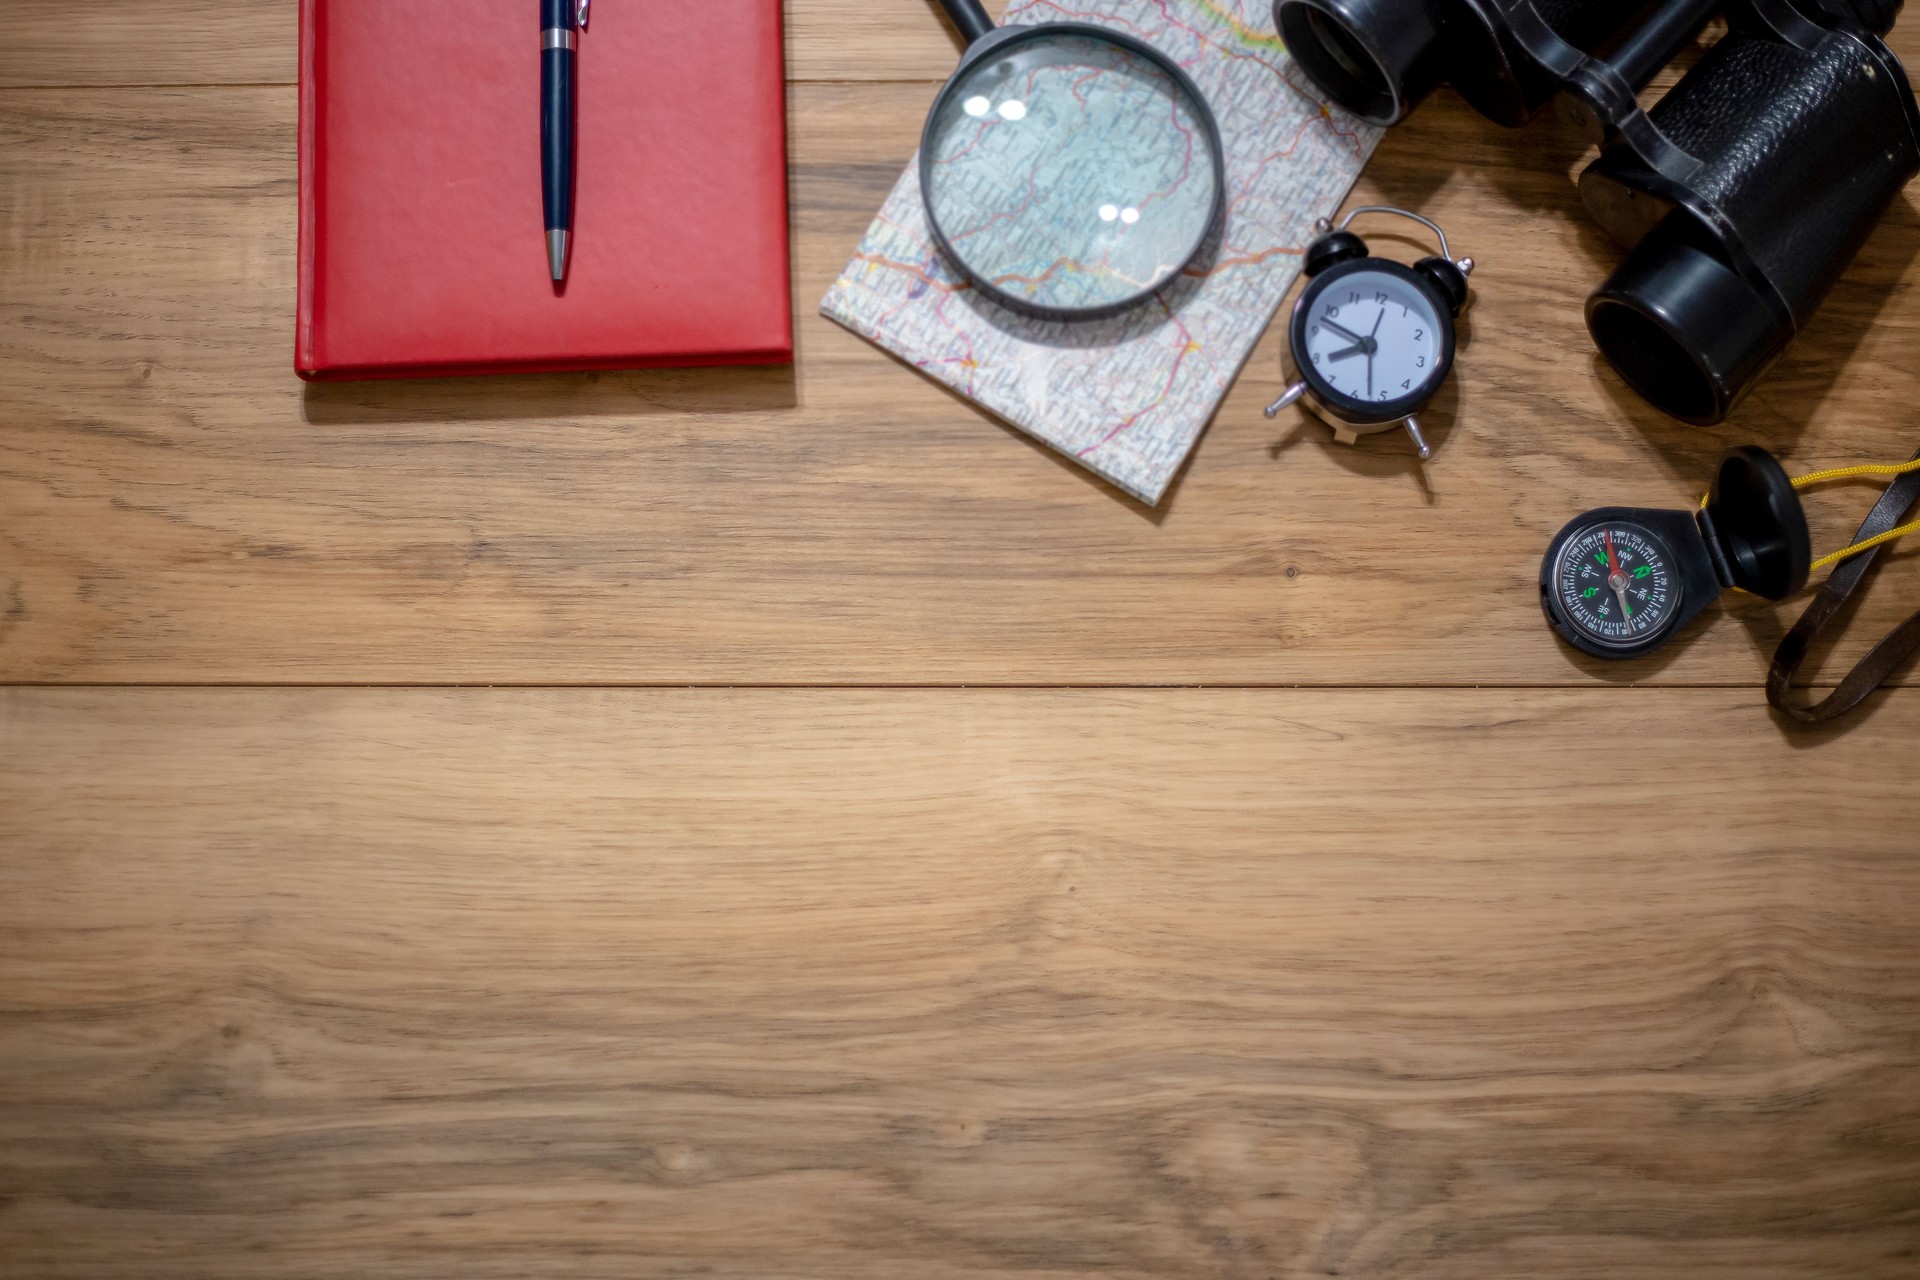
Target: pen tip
{"points": [[557, 254]]}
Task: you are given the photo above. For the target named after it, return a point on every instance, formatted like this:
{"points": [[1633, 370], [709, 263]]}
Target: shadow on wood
{"points": [[515, 397]]}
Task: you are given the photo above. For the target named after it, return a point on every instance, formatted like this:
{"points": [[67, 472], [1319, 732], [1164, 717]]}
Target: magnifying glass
{"points": [[1069, 171]]}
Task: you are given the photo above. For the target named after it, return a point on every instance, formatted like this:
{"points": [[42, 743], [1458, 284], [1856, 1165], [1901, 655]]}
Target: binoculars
{"points": [[1742, 195]]}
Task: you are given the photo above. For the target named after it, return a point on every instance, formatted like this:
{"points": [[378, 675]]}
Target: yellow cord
{"points": [[1888, 469], [1868, 545], [1849, 473]]}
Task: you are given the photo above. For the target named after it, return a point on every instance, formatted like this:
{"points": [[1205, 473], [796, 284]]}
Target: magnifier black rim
{"points": [[994, 44], [1376, 411]]}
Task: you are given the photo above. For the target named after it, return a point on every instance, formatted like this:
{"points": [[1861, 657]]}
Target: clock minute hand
{"points": [[1372, 346], [1343, 331]]}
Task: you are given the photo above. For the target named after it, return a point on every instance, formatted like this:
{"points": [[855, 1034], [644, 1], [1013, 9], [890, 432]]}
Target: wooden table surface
{"points": [[784, 823]]}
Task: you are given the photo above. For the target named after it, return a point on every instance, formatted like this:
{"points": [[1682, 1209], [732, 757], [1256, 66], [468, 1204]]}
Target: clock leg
{"points": [[1412, 424], [1292, 393]]}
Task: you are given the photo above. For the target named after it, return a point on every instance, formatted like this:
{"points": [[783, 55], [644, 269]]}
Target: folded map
{"points": [[1128, 397]]}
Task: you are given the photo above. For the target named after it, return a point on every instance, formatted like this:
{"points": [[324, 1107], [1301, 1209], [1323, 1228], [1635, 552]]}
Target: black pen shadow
{"points": [[635, 393]]}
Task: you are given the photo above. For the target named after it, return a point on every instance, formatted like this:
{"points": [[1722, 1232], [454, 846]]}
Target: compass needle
{"points": [[1635, 568]]}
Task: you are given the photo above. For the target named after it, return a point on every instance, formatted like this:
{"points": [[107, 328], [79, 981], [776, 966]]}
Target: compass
{"points": [[1613, 582], [1619, 582]]}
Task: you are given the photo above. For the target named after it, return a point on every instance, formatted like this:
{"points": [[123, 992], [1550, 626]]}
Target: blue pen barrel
{"points": [[559, 40], [556, 136]]}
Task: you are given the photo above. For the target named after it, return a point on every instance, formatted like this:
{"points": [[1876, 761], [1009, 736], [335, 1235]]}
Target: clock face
{"points": [[1372, 339]]}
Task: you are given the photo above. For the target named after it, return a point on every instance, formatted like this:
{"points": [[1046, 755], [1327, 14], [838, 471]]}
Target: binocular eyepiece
{"points": [[1742, 195]]}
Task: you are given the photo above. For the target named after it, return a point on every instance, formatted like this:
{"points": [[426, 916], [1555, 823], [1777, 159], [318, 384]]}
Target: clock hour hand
{"points": [[1357, 348]]}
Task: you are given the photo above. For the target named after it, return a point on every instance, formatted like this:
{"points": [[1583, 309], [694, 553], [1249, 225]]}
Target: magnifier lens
{"points": [[1070, 173]]}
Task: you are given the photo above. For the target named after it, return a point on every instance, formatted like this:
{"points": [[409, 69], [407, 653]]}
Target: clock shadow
{"points": [[1390, 452]]}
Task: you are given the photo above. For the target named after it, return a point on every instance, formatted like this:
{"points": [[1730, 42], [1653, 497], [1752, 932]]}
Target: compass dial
{"points": [[1614, 584]]}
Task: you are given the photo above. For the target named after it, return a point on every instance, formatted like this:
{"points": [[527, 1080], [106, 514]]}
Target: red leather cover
{"points": [[421, 245]]}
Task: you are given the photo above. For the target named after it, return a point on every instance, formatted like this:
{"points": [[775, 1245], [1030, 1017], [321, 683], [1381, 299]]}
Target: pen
{"points": [[560, 26]]}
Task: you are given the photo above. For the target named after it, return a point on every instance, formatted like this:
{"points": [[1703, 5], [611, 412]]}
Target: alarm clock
{"points": [[1372, 340]]}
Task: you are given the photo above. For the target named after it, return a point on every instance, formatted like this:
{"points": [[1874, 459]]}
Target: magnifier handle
{"points": [[969, 16]]}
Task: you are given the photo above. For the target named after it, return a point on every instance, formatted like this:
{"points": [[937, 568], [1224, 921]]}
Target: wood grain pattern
{"points": [[203, 42], [208, 42], [867, 984], [1392, 983], [182, 509]]}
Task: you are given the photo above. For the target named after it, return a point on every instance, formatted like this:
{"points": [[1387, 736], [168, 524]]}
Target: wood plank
{"points": [[180, 508], [192, 42], [197, 42], [149, 42], [856, 984]]}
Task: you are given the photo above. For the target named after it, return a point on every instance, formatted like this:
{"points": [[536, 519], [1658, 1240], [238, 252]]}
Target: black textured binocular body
{"points": [[1743, 194]]}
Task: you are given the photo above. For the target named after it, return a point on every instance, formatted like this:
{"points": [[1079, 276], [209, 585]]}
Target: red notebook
{"points": [[421, 245]]}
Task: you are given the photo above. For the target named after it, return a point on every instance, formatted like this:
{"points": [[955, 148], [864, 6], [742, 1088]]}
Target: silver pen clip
{"points": [[580, 14]]}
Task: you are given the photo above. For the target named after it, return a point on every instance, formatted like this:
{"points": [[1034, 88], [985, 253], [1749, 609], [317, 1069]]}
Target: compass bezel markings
{"points": [[1583, 590]]}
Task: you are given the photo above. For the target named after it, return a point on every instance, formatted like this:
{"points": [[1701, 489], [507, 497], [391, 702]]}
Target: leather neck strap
{"points": [[1874, 669]]}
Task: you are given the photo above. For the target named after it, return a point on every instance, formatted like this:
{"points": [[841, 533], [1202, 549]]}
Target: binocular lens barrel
{"points": [[1682, 328], [1744, 192], [1375, 58], [1796, 150]]}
